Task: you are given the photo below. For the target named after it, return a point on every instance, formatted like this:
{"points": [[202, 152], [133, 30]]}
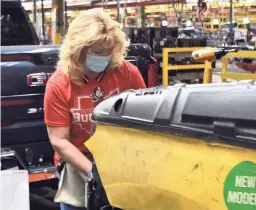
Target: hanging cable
{"points": [[118, 12], [104, 4], [43, 18], [125, 14]]}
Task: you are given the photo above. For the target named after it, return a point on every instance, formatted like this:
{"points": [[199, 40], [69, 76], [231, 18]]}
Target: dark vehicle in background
{"points": [[24, 140], [22, 62], [24, 73], [16, 28]]}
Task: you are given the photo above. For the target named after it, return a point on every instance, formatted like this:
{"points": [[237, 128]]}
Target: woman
{"points": [[91, 68]]}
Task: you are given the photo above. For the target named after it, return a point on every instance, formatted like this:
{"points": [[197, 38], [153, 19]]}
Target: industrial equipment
{"points": [[180, 147]]}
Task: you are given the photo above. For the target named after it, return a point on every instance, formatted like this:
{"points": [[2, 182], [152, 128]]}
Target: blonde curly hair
{"points": [[91, 27]]}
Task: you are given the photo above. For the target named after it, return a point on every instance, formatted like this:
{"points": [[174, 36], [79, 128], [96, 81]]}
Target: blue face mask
{"points": [[97, 63]]}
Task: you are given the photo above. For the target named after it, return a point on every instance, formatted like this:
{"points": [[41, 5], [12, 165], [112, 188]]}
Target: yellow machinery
{"points": [[184, 147], [210, 55], [237, 76], [207, 66]]}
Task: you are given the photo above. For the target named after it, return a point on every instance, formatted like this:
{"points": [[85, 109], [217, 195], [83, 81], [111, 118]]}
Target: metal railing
{"points": [[235, 75], [207, 66]]}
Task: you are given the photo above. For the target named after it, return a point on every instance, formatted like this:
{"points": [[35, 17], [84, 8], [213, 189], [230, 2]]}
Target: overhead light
{"points": [[164, 23], [246, 20], [188, 23], [216, 21]]}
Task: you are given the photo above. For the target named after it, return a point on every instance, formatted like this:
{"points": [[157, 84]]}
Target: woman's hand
{"points": [[59, 138]]}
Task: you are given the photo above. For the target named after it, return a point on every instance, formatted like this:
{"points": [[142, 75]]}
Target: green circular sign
{"points": [[240, 187]]}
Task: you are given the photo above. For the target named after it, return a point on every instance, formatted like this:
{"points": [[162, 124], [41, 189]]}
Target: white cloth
{"points": [[72, 188], [14, 190]]}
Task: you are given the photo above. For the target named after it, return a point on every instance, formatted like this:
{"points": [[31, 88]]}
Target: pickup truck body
{"points": [[25, 70]]}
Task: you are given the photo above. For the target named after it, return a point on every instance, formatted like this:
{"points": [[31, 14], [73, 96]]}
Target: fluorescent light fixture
{"points": [[188, 23], [164, 23], [216, 21], [246, 20]]}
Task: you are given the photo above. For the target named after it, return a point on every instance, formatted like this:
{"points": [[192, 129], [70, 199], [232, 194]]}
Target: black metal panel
{"points": [[142, 50], [222, 104], [34, 155], [19, 26], [215, 112]]}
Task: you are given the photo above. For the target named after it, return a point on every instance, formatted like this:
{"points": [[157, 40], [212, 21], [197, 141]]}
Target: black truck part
{"points": [[16, 28], [148, 34], [222, 113]]}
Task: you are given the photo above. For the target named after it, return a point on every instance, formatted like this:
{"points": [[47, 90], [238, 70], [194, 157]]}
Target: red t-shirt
{"points": [[67, 104]]}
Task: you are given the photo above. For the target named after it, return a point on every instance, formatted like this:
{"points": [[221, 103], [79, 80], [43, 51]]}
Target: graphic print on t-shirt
{"points": [[82, 113], [97, 95]]}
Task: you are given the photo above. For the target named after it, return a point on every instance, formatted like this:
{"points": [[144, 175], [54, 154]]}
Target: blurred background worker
{"points": [[91, 69]]}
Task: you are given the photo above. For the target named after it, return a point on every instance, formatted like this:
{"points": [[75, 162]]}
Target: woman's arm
{"points": [[58, 119], [68, 152]]}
